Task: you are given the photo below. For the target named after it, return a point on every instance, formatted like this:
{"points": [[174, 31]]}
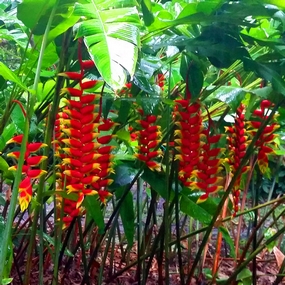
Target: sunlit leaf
{"points": [[127, 214], [11, 76], [112, 39]]}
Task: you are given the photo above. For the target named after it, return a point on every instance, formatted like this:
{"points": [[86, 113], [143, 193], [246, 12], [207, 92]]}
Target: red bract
{"points": [[189, 130], [148, 139], [160, 80], [25, 187], [265, 143], [237, 148], [199, 164], [85, 158]]}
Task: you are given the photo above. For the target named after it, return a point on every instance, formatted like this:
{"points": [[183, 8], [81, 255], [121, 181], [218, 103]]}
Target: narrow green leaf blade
{"points": [[11, 76], [93, 208], [127, 215], [192, 209]]}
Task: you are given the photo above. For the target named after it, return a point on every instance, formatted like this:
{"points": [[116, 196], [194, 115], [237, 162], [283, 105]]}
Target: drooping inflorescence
{"points": [[265, 142], [82, 138], [148, 140], [237, 143], [30, 169], [199, 164]]}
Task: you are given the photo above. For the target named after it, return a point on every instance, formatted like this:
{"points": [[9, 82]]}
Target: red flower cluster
{"points": [[85, 156], [237, 148], [148, 140], [265, 141], [198, 161], [160, 80], [189, 123], [208, 167], [126, 90], [29, 169]]}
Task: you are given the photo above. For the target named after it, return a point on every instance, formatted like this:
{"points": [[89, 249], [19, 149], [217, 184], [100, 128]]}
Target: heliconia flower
{"points": [[85, 158], [199, 162], [34, 147], [72, 75], [103, 195], [88, 98], [25, 193], [72, 142], [237, 144], [25, 187], [14, 154], [160, 81], [265, 143], [16, 139], [105, 139], [188, 137], [72, 91], [148, 139], [14, 168], [88, 84], [35, 160], [87, 64], [72, 103], [35, 173]]}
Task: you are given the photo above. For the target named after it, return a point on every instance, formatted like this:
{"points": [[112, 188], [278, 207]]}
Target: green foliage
{"points": [[147, 55], [109, 35]]}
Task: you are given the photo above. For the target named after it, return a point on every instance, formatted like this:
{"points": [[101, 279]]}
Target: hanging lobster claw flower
{"points": [[72, 91], [16, 139], [74, 187], [35, 173], [25, 193], [16, 154], [71, 75], [14, 168], [103, 195], [34, 147], [35, 160]]}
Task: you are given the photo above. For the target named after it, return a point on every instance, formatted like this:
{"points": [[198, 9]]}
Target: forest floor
{"points": [[267, 268]]}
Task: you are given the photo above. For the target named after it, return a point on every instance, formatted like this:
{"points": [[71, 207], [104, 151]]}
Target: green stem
{"points": [[84, 259], [139, 227], [227, 192], [39, 203], [13, 203], [252, 256], [49, 136]]}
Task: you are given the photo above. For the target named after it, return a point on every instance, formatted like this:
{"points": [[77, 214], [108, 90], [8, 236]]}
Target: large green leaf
{"points": [[11, 76], [9, 256], [127, 214], [112, 38], [93, 208], [63, 19], [194, 210], [31, 11], [156, 181]]}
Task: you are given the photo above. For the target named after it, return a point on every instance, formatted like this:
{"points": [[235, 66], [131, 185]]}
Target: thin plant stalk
{"points": [[111, 234], [168, 187], [220, 236], [38, 208], [139, 227], [190, 235], [258, 226], [227, 192], [219, 246], [50, 130], [252, 255], [240, 220], [81, 239], [177, 226], [13, 203]]}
